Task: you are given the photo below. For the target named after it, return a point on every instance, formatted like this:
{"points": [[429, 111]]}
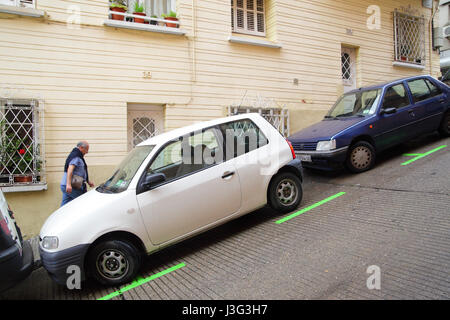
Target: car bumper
{"points": [[15, 265], [323, 159], [56, 263]]}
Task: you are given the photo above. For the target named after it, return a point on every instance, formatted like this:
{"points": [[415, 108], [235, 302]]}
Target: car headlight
{"points": [[326, 145], [50, 243]]}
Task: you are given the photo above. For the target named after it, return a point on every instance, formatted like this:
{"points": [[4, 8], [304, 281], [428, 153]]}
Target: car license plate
{"points": [[305, 157]]}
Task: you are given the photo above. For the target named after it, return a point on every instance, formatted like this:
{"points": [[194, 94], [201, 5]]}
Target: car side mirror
{"points": [[153, 179], [388, 111]]}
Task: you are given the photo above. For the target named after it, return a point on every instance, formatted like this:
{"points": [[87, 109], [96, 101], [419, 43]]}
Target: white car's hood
{"points": [[88, 215]]}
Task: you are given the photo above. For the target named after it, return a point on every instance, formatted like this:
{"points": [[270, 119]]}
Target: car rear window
{"points": [[419, 90], [395, 97], [242, 136], [435, 91]]}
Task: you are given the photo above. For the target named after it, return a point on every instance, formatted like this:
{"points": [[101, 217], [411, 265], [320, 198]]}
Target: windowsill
{"points": [[254, 42], [143, 27], [408, 65], [25, 188], [22, 11]]}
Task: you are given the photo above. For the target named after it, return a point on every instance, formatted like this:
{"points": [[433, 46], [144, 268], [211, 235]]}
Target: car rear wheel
{"points": [[285, 192], [361, 157], [114, 262], [444, 128]]}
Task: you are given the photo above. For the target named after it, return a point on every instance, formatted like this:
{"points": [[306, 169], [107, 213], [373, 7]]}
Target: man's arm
{"points": [[69, 178]]}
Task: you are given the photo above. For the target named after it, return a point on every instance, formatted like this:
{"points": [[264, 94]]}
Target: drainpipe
{"points": [[433, 14], [192, 51], [194, 39]]}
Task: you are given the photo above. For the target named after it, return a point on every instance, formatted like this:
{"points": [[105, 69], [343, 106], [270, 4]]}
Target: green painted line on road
{"points": [[418, 156], [310, 207], [140, 281]]}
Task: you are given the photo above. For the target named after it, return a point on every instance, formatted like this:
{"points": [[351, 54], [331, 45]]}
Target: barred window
{"points": [[20, 145], [248, 16], [409, 39]]}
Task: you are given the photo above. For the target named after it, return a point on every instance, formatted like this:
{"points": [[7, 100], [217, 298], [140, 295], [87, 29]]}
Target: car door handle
{"points": [[228, 174], [441, 100]]}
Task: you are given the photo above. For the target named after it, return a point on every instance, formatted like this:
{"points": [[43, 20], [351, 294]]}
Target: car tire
{"points": [[361, 157], [114, 262], [285, 192], [444, 128]]}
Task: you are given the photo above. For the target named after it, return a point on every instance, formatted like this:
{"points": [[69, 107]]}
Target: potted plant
{"points": [[118, 6], [172, 16], [154, 22], [139, 10]]}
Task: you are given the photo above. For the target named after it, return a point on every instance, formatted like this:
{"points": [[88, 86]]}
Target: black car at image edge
{"points": [[16, 255]]}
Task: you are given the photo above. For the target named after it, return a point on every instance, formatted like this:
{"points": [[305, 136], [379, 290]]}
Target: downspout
{"points": [[433, 14], [192, 50], [194, 39]]}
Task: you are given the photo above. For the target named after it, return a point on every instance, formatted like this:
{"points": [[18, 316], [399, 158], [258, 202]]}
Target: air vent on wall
{"points": [[447, 31]]}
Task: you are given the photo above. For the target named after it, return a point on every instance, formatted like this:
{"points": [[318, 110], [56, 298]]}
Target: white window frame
{"points": [[246, 12], [19, 116], [19, 3]]}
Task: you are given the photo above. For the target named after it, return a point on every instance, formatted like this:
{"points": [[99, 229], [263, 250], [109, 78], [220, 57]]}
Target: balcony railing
{"points": [[129, 17], [20, 3]]}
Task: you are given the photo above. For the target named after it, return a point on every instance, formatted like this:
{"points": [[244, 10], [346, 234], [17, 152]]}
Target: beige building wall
{"points": [[88, 74]]}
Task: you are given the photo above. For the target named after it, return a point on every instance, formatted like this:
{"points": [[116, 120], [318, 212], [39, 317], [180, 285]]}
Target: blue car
{"points": [[366, 121]]}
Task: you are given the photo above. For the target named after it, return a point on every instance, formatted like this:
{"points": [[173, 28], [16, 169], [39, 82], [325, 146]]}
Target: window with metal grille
{"points": [[248, 16], [143, 129], [409, 41], [21, 147], [277, 117]]}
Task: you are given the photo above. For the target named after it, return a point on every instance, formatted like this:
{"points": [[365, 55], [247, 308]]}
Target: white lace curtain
{"points": [[154, 7]]}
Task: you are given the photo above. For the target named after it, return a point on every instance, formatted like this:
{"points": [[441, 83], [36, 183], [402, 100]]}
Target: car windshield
{"points": [[361, 103], [125, 172]]}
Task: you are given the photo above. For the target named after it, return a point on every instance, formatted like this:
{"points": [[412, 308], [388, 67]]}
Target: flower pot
{"points": [[117, 16], [138, 20], [171, 25], [23, 179]]}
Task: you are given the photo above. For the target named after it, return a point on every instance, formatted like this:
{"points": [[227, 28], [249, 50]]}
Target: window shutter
{"points": [[247, 16]]}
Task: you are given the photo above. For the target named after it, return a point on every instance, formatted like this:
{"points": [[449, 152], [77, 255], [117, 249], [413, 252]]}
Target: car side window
{"points": [[395, 97], [241, 137], [188, 154], [435, 91], [419, 90]]}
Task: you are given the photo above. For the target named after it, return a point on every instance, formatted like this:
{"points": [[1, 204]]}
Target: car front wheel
{"points": [[361, 157], [114, 262], [285, 192]]}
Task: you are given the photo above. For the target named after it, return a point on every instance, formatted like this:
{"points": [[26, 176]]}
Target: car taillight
{"points": [[292, 149], [4, 226]]}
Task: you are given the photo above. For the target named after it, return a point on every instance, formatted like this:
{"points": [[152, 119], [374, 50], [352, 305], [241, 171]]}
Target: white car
{"points": [[169, 188]]}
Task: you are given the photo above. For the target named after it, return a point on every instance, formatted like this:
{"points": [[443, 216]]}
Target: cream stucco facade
{"points": [[88, 74]]}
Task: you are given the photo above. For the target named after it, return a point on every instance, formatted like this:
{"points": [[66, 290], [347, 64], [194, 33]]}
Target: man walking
{"points": [[75, 168]]}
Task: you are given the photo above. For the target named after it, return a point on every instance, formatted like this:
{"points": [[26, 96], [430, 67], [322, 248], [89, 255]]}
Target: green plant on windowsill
{"points": [[122, 4], [171, 16], [138, 7]]}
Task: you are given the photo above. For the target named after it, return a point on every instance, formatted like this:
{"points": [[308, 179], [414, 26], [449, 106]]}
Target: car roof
{"points": [[385, 84], [174, 134]]}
